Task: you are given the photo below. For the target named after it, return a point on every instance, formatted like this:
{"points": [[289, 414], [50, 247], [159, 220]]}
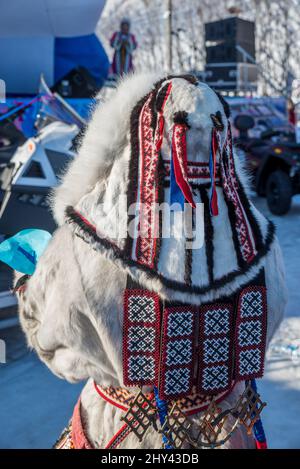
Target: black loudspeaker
{"points": [[232, 76], [230, 55], [222, 37], [226, 52], [78, 83]]}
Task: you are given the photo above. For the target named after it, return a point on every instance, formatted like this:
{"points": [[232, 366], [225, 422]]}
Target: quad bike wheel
{"points": [[279, 192]]}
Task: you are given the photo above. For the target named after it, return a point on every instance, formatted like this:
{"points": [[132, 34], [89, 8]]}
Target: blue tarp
{"points": [[86, 51]]}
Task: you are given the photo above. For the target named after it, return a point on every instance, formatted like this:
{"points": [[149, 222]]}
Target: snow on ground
{"points": [[280, 387], [35, 405]]}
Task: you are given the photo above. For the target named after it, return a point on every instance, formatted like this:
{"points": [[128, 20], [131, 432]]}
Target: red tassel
{"points": [[180, 161], [261, 445]]}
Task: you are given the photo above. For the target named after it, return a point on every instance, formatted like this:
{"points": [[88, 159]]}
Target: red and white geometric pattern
{"points": [[190, 404], [251, 328], [141, 330], [215, 348], [196, 171], [150, 141], [177, 352], [230, 344], [145, 249], [231, 191]]}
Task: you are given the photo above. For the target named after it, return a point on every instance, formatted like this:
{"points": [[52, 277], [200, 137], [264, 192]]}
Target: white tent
{"points": [[28, 29]]}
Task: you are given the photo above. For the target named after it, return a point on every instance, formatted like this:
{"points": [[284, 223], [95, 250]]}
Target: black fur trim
{"points": [[21, 282], [160, 98], [192, 79], [224, 103], [208, 234], [232, 219], [188, 265], [181, 117], [188, 261], [259, 242], [217, 121], [72, 217], [161, 199]]}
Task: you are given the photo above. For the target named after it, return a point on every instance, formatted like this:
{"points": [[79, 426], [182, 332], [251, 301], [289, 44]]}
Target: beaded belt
{"points": [[192, 404], [123, 399]]}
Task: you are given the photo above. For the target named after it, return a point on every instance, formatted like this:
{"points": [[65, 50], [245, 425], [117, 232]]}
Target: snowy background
{"points": [[35, 405], [277, 35]]}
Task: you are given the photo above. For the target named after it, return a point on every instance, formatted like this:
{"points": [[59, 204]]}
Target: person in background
{"points": [[291, 112], [124, 43]]}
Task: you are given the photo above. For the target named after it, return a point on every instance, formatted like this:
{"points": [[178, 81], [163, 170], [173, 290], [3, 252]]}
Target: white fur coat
{"points": [[71, 310]]}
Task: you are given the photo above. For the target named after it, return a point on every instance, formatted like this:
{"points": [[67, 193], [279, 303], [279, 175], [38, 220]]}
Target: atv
{"points": [[273, 159]]}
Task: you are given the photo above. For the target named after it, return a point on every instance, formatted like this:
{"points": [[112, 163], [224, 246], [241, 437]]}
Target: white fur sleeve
{"points": [[276, 289], [55, 316]]}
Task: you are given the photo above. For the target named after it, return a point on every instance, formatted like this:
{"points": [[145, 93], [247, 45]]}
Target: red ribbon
{"points": [[180, 161]]}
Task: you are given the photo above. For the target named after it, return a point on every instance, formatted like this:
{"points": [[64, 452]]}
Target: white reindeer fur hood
{"points": [[103, 171], [102, 144], [72, 308]]}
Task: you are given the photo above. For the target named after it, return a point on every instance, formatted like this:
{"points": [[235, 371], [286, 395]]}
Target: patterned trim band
{"points": [[208, 346]]}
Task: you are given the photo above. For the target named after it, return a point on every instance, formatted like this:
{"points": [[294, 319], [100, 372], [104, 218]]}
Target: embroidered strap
{"points": [[177, 352], [119, 437], [150, 141], [148, 189], [231, 191], [190, 405], [196, 172], [141, 333], [216, 346], [251, 329], [179, 156]]}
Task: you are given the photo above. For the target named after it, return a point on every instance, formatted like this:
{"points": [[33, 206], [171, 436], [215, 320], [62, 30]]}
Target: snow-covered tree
{"points": [[277, 34]]}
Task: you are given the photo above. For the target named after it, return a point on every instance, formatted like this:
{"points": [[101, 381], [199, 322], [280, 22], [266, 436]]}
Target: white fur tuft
{"points": [[102, 143]]}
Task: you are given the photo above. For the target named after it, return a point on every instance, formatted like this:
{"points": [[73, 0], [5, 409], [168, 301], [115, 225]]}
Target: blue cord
{"points": [[258, 428], [162, 407]]}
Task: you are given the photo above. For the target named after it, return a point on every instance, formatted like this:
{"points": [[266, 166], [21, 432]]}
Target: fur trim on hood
{"points": [[103, 142]]}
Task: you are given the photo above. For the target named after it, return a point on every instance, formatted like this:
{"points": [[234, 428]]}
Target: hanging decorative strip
{"points": [[215, 354], [251, 329], [148, 190], [177, 352], [231, 192], [150, 141], [141, 331], [179, 157], [196, 172], [223, 341]]}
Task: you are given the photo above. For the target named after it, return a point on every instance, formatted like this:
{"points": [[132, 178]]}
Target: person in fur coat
{"points": [[72, 310]]}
